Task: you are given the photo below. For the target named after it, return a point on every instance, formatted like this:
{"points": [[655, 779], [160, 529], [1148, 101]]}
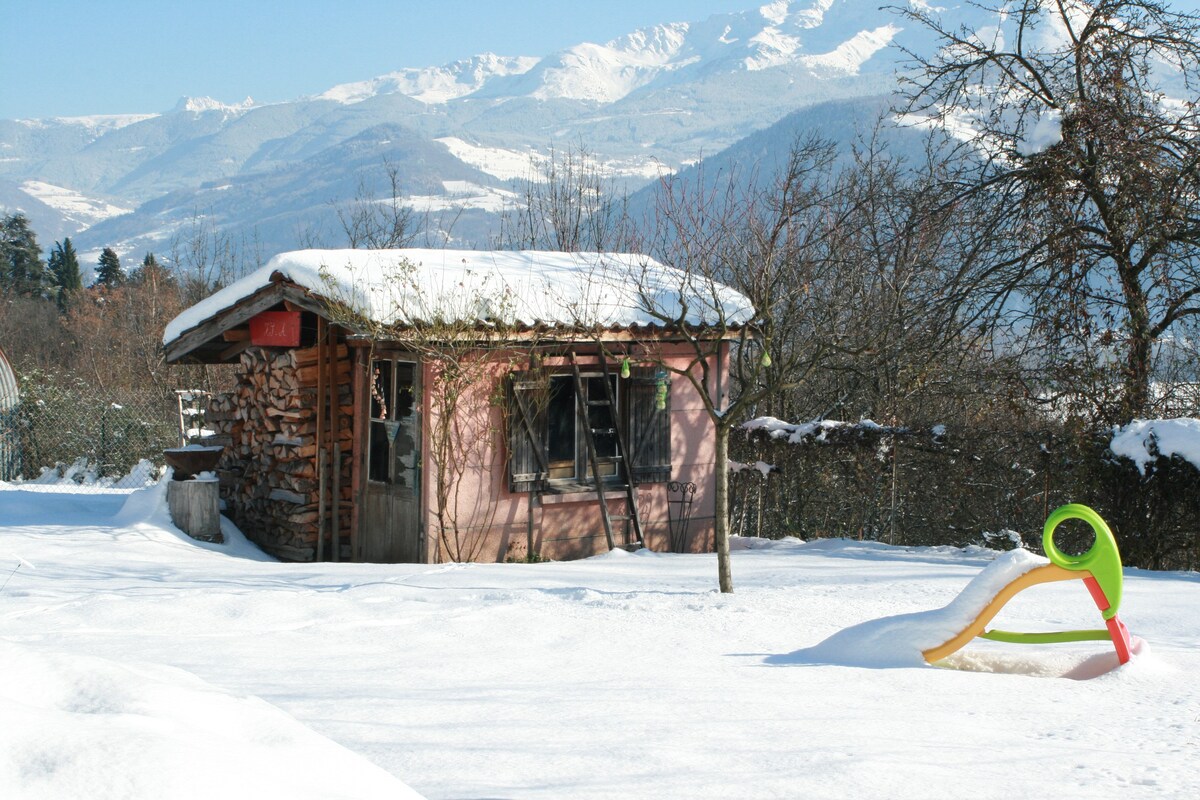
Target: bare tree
{"points": [[206, 258], [568, 204], [1091, 173], [778, 244], [375, 223], [904, 233]]}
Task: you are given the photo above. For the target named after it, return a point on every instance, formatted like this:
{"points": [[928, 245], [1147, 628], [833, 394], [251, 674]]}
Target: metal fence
{"points": [[64, 429]]}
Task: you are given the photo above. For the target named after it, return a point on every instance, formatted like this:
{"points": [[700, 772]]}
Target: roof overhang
{"points": [[207, 343]]}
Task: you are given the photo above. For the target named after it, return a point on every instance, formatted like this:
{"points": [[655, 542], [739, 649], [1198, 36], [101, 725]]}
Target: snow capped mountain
{"points": [[200, 105], [654, 99], [433, 84], [606, 73], [779, 34]]}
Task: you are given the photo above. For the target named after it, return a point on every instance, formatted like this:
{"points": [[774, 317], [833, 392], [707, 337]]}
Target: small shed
{"points": [[10, 398], [444, 405]]}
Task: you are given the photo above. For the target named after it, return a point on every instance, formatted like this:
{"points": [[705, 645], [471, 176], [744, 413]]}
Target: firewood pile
{"points": [[270, 477]]}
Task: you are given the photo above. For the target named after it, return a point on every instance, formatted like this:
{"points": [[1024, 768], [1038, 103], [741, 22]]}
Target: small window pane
{"points": [[600, 417], [404, 443], [377, 464], [381, 390], [560, 437]]}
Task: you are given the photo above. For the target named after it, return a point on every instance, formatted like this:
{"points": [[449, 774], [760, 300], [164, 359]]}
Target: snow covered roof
{"points": [[531, 288]]}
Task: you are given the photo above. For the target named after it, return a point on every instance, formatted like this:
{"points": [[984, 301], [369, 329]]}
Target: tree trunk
{"points": [[721, 520], [1135, 399]]}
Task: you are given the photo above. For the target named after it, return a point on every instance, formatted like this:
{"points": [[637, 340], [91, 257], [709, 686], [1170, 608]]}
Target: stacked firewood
{"points": [[270, 468]]}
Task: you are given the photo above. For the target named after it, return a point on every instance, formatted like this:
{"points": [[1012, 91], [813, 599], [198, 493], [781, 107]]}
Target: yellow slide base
{"points": [[1044, 574]]}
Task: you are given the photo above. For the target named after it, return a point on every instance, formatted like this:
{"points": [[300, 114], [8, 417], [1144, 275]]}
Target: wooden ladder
{"points": [[583, 404]]}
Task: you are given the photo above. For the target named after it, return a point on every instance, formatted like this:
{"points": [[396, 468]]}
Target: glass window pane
{"points": [[600, 418], [560, 436], [405, 443], [381, 390], [405, 405], [377, 460]]}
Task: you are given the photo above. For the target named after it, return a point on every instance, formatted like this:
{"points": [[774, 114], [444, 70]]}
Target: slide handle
{"points": [[1102, 560]]}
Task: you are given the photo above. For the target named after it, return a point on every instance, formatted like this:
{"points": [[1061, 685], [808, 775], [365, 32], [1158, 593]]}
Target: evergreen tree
{"points": [[21, 269], [109, 273], [65, 278], [152, 274]]}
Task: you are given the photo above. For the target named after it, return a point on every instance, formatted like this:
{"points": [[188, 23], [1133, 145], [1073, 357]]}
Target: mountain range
{"points": [[656, 99]]}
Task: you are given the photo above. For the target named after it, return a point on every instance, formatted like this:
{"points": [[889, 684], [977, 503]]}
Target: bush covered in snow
{"points": [[960, 485]]}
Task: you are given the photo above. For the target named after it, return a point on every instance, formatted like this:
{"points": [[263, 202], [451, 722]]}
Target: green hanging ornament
{"points": [[766, 359], [625, 367]]}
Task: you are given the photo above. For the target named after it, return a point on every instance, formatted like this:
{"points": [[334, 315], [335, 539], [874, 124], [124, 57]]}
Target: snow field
{"points": [[625, 675]]}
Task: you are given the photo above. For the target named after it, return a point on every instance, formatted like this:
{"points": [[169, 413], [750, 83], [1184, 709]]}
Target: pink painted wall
{"points": [[493, 522]]}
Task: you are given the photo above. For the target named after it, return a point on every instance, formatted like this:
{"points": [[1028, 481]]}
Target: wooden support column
{"points": [[321, 452], [337, 500], [322, 481], [335, 434], [362, 409]]}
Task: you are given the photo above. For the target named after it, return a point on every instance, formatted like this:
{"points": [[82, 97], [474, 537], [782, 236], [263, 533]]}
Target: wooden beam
{"points": [[240, 313], [236, 335], [322, 470], [561, 338], [337, 502], [323, 454], [234, 349], [359, 451], [331, 386], [216, 325]]}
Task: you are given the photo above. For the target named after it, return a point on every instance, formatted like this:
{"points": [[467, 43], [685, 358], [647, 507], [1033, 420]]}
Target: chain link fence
{"points": [[66, 430]]}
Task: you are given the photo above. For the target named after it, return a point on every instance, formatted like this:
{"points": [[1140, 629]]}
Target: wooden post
{"points": [[321, 454], [337, 501], [529, 525], [335, 433], [322, 469], [359, 450]]}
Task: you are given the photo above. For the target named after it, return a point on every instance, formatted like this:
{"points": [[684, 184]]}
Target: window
{"points": [[547, 444], [394, 435], [566, 447]]}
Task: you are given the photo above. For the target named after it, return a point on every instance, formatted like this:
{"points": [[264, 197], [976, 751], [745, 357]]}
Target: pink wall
{"points": [[494, 522]]}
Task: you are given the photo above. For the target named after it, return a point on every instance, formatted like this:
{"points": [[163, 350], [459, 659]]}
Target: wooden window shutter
{"points": [[649, 425], [527, 468]]}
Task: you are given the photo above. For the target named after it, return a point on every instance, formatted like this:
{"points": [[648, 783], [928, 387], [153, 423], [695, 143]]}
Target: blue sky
{"points": [[77, 57], [66, 58]]}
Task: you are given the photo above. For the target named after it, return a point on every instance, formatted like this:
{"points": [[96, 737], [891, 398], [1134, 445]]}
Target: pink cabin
{"points": [[437, 405]]}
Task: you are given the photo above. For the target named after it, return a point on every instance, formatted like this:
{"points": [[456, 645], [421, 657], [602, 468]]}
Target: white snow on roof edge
{"points": [[521, 287]]}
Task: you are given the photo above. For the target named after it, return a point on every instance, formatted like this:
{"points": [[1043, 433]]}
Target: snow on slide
{"points": [[901, 640]]}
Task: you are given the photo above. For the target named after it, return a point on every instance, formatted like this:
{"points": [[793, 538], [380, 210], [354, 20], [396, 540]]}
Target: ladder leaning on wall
{"points": [[583, 402]]}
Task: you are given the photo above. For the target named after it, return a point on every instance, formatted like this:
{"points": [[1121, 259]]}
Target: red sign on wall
{"points": [[275, 329]]}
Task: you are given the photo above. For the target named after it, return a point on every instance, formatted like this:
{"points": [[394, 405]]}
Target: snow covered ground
{"points": [[135, 663]]}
